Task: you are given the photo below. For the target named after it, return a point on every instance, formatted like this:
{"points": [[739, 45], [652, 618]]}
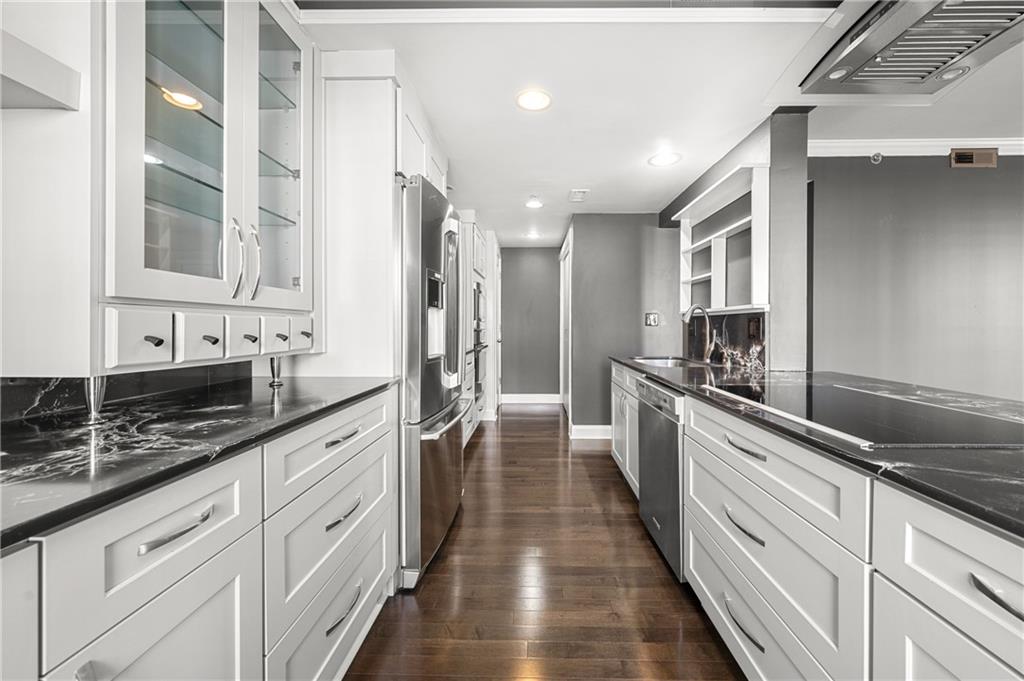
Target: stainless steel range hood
{"points": [[917, 46]]}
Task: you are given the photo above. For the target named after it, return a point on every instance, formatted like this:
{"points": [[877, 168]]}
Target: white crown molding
{"points": [[574, 15], [1008, 146], [530, 398], [590, 432]]}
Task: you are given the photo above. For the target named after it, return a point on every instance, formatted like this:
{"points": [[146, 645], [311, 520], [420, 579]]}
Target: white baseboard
{"points": [[590, 432], [530, 398]]}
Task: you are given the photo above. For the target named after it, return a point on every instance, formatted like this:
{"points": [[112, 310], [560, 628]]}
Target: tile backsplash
{"points": [[741, 339], [26, 397]]}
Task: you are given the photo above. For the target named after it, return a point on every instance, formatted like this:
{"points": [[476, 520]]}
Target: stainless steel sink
{"points": [[665, 361]]}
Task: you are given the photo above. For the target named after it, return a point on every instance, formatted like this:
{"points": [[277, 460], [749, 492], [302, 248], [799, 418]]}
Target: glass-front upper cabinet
{"points": [[209, 133], [279, 224]]}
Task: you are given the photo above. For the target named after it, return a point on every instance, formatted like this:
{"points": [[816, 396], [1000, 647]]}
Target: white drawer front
{"points": [[912, 644], [312, 536], [101, 569], [618, 373], [242, 335], [933, 554], [275, 334], [207, 626], [301, 336], [327, 635], [832, 497], [759, 640], [295, 462], [817, 587], [138, 337], [630, 383], [198, 336]]}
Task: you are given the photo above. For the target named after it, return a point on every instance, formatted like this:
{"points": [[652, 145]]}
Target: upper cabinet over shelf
{"points": [[212, 123], [32, 79]]}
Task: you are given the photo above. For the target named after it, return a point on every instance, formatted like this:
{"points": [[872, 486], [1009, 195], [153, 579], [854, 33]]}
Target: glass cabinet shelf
{"points": [[271, 167], [271, 96]]}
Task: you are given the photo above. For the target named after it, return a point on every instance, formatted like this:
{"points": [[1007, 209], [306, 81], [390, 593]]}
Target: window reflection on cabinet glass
{"points": [[184, 160], [280, 156]]}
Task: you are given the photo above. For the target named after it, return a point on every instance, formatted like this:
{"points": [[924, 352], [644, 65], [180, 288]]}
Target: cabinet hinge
{"points": [[296, 66], [297, 282], [297, 174]]}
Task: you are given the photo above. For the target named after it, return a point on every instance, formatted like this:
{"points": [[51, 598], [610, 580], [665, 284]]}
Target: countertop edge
{"points": [[998, 522], [77, 511]]}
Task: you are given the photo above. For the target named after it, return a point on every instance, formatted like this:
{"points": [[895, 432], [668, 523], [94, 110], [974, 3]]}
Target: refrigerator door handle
{"points": [[438, 434], [453, 366]]}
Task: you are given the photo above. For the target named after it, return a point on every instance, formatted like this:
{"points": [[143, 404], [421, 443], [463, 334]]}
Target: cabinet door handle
{"points": [[748, 452], [241, 257], [150, 546], [86, 672], [212, 340], [157, 341], [656, 523], [259, 262], [344, 516], [728, 609], [728, 514], [249, 337], [282, 336], [307, 334], [991, 594], [348, 610], [344, 438]]}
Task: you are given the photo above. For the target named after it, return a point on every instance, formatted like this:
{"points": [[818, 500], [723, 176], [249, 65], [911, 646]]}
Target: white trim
{"points": [[488, 415], [590, 432], [1008, 146], [556, 15], [530, 398]]}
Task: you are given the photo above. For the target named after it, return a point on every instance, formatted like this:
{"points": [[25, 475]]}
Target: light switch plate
{"points": [[651, 319]]}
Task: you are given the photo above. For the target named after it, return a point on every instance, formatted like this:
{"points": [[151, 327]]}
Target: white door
{"points": [[632, 442], [278, 223], [619, 426], [207, 626], [176, 130]]}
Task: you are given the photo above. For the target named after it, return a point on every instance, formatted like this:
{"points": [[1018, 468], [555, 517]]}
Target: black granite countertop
{"points": [[57, 469], [965, 451]]}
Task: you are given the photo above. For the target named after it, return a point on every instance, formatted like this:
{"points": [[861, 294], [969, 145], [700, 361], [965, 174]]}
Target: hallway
{"points": [[548, 574]]}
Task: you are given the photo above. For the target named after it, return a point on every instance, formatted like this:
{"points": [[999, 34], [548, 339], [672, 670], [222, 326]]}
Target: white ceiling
{"points": [[622, 90]]}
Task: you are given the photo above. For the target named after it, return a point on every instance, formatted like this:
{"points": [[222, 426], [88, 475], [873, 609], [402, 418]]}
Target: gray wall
{"points": [[622, 266], [918, 272], [529, 320]]}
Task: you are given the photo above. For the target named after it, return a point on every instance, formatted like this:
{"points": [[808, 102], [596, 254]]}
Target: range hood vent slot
{"points": [[917, 47]]}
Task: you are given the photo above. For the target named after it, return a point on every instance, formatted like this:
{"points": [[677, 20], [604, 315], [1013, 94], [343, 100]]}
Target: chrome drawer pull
{"points": [[307, 334], [212, 340], [157, 341], [740, 626], [756, 455], [283, 337], [995, 597], [344, 438], [344, 516], [348, 611], [177, 534], [250, 337], [85, 672], [728, 514]]}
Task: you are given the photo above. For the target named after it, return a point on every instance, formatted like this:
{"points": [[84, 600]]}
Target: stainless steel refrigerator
{"points": [[432, 353]]}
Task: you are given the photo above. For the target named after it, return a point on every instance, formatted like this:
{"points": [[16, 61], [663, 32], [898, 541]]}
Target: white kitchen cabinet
{"points": [[207, 626], [969, 575], [632, 462], [619, 425], [479, 252], [210, 132], [911, 643], [19, 616]]}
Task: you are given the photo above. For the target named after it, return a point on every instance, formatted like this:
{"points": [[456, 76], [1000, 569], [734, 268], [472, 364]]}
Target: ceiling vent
{"points": [[578, 195], [973, 158], [917, 47]]}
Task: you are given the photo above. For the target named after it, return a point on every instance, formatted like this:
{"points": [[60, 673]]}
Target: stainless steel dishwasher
{"points": [[661, 505]]}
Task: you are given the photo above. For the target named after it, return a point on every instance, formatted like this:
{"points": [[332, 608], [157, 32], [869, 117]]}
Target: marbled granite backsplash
{"points": [[23, 397], [740, 336]]}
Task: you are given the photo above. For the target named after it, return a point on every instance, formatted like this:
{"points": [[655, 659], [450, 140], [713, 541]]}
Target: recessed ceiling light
{"points": [[534, 202], [664, 158], [533, 100], [533, 235], [953, 74], [151, 159], [182, 100], [839, 73]]}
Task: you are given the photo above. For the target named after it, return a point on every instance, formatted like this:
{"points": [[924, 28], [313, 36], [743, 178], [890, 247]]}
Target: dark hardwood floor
{"points": [[548, 573]]}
